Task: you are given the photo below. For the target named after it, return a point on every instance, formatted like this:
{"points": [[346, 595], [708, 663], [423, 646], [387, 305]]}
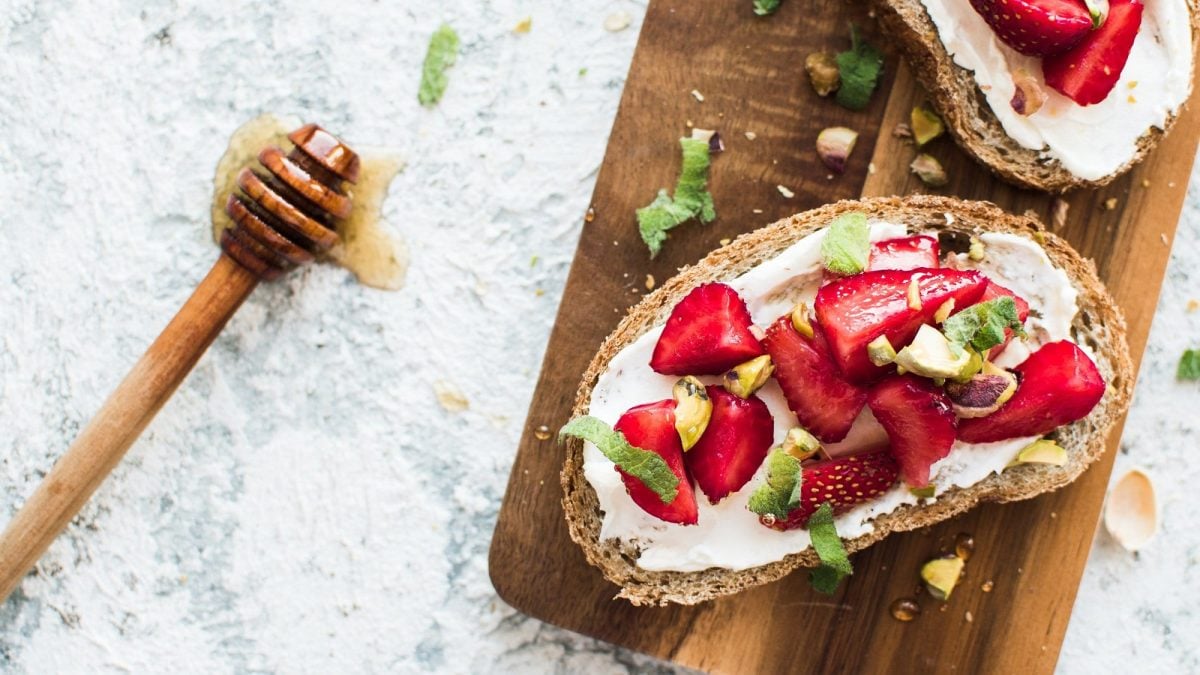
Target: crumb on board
{"points": [[783, 190], [1110, 203], [697, 95]]}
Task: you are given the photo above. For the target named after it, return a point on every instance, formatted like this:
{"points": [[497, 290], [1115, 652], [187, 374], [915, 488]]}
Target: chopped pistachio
{"points": [[926, 125], [822, 72], [800, 444], [800, 320], [930, 355], [983, 393], [834, 146], [1028, 96], [880, 351], [929, 170], [926, 492], [914, 294], [747, 378], [693, 410], [944, 311], [941, 576], [976, 252], [1042, 451]]}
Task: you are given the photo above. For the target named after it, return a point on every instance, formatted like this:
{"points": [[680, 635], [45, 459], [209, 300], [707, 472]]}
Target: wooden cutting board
{"points": [[750, 73]]}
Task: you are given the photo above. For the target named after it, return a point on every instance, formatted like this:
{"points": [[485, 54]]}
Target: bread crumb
{"points": [[1110, 203], [617, 22], [871, 168], [758, 210], [1163, 236], [523, 25], [725, 241], [449, 397], [1193, 305], [1145, 182], [968, 616], [697, 95], [1132, 84], [750, 135], [902, 130], [689, 124], [1131, 98], [788, 194], [649, 282]]}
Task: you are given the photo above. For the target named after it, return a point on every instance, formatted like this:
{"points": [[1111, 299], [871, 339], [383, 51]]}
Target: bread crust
{"points": [[973, 125], [1099, 325]]}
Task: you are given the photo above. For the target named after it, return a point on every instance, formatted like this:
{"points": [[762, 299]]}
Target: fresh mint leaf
{"points": [[847, 244], [859, 69], [781, 493], [981, 326], [765, 7], [442, 52], [691, 200], [1189, 366], [835, 564], [643, 465]]}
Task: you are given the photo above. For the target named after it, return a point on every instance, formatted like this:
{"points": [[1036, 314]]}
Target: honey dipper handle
{"points": [[121, 420]]}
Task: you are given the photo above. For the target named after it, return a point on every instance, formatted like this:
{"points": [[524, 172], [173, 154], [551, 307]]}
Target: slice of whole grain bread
{"points": [[965, 110], [1099, 325]]}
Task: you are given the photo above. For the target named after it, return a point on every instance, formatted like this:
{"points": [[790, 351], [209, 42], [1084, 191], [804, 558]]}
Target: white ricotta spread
{"points": [[728, 535], [1090, 141]]}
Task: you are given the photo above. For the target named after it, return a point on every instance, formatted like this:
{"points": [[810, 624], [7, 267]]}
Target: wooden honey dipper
{"points": [[282, 218]]}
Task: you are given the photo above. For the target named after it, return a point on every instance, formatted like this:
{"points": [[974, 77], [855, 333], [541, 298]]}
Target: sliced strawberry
{"points": [[1088, 72], [707, 333], [1058, 385], [905, 253], [995, 290], [1036, 27], [824, 402], [919, 423], [734, 445], [652, 427], [860, 308], [842, 482]]}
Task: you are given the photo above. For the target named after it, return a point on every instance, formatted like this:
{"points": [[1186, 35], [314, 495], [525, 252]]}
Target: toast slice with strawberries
{"points": [[953, 91], [1098, 327]]}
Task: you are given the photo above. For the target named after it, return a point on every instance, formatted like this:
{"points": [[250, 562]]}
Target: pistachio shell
{"points": [[1131, 514]]}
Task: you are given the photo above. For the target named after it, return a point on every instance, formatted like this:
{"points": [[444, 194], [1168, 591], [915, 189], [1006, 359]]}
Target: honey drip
{"points": [[377, 257]]}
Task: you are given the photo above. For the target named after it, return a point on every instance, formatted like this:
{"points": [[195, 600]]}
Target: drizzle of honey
{"points": [[376, 256]]}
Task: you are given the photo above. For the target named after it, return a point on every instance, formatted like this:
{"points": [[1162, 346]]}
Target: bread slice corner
{"points": [[965, 110], [1099, 325]]}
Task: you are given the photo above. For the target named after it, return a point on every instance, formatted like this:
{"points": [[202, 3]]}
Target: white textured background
{"points": [[304, 504]]}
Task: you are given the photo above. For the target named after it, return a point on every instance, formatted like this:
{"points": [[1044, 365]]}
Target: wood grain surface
{"points": [[750, 72]]}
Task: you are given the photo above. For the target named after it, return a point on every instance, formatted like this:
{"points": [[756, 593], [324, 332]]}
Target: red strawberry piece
{"points": [[1036, 27], [824, 402], [652, 427], [1058, 385], [734, 445], [995, 290], [1088, 72], [860, 308], [707, 333], [919, 423], [842, 482], [905, 253]]}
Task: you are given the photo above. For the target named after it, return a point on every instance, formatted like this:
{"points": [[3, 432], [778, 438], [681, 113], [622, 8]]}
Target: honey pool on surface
{"points": [[377, 257]]}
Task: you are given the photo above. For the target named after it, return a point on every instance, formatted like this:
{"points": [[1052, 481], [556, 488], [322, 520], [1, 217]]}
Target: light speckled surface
{"points": [[304, 503]]}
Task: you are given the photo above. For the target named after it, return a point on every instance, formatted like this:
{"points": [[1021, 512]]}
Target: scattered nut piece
{"points": [[944, 311], [757, 210], [524, 25], [977, 251], [926, 492], [822, 69], [800, 444], [880, 351], [725, 241], [1193, 305], [750, 135], [941, 576], [800, 320], [1131, 514], [902, 130], [693, 409], [834, 146], [914, 293], [449, 397], [1145, 182], [1110, 203], [649, 282], [926, 125], [1041, 451], [783, 190], [747, 378], [697, 95], [929, 170], [617, 21], [1029, 96]]}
